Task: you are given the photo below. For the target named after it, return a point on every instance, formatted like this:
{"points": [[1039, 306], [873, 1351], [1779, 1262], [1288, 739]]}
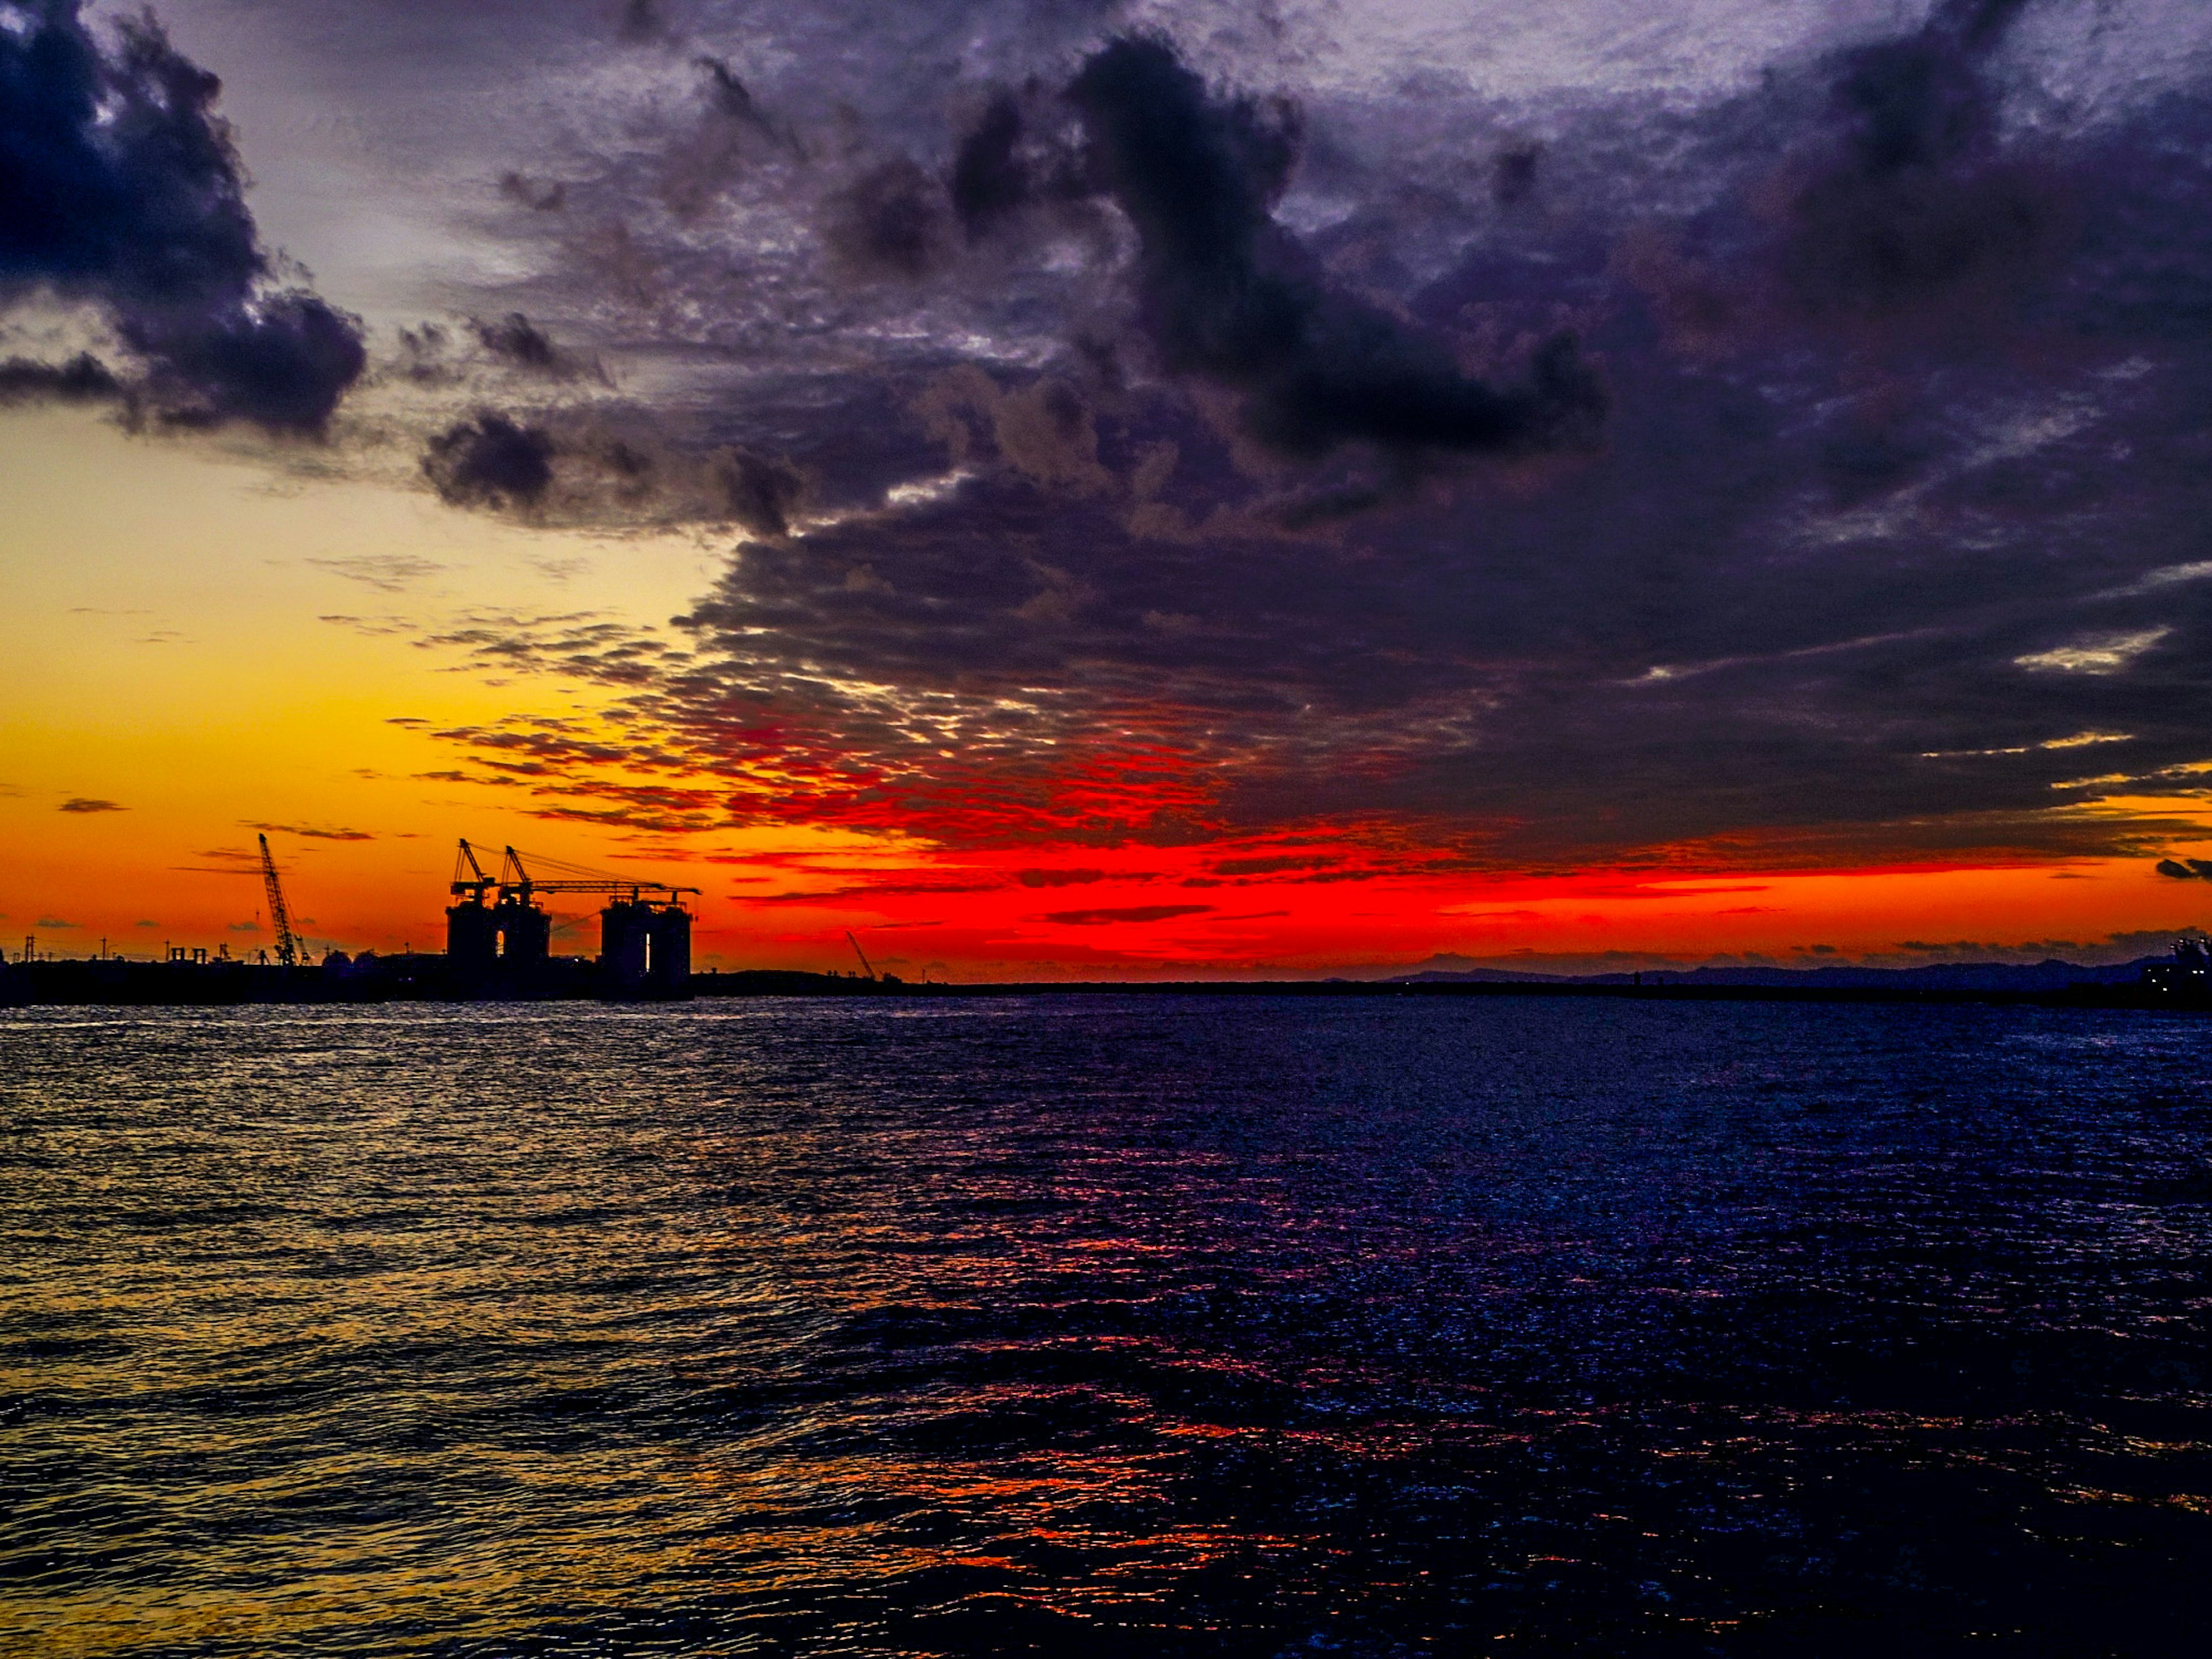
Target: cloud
{"points": [[1062, 877], [489, 460], [989, 182], [891, 221], [515, 338], [1140, 913], [516, 343], [54, 921], [2186, 869], [2098, 653], [388, 573], [1100, 462], [1917, 202], [1272, 864], [641, 20], [82, 380], [1227, 294], [311, 832], [122, 187], [759, 492], [91, 804]]}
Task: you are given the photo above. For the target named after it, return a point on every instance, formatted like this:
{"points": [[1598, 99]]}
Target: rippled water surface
{"points": [[1085, 1326]]}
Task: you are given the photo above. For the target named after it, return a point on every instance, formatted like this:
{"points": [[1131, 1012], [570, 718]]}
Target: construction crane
{"points": [[515, 878], [516, 881], [476, 883], [866, 967], [280, 916]]}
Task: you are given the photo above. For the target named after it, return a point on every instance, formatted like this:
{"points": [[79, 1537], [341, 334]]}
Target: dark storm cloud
{"points": [[1916, 200], [119, 184], [761, 492], [82, 380], [1887, 543], [282, 360], [515, 339], [892, 220], [539, 195], [491, 460], [1228, 294], [1513, 174], [989, 182], [733, 99], [641, 20], [585, 464], [1536, 705]]}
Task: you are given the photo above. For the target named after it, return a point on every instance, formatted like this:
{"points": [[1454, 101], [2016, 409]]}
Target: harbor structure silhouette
{"points": [[499, 947]]}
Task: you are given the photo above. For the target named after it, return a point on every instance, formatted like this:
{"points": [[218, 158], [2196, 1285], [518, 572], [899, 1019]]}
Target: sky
{"points": [[1113, 490]]}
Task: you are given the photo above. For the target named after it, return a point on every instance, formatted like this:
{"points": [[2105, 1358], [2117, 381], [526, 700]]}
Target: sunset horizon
{"points": [[1093, 546], [1205, 829]]}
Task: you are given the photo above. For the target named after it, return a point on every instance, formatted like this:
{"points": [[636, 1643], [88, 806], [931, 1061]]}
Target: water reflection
{"points": [[1076, 1325]]}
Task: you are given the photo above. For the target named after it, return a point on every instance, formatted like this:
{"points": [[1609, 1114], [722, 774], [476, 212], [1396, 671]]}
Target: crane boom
{"points": [[867, 966], [280, 918], [515, 877]]}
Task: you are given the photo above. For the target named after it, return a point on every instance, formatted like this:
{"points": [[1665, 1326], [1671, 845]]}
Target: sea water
{"points": [[1105, 1325]]}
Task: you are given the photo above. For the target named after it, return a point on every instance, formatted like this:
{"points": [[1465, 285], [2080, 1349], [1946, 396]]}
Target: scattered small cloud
{"points": [[310, 831], [92, 804], [2083, 739], [54, 921], [2097, 653], [1140, 912], [2079, 740], [2169, 576], [387, 573]]}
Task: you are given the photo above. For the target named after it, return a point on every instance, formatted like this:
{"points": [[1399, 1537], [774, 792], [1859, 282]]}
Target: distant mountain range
{"points": [[2049, 975]]}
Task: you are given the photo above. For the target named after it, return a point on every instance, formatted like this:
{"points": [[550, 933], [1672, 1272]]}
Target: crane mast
{"points": [[866, 967], [476, 883], [280, 918]]}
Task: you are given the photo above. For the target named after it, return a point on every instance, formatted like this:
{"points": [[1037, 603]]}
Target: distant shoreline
{"points": [[114, 983]]}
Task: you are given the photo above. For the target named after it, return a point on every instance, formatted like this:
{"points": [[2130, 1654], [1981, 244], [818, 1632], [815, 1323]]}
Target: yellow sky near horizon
{"points": [[164, 646]]}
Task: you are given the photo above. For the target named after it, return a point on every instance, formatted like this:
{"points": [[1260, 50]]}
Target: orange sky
{"points": [[1237, 506], [165, 646]]}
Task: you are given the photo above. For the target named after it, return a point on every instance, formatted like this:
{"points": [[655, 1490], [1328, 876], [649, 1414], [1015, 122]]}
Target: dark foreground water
{"points": [[1105, 1326]]}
